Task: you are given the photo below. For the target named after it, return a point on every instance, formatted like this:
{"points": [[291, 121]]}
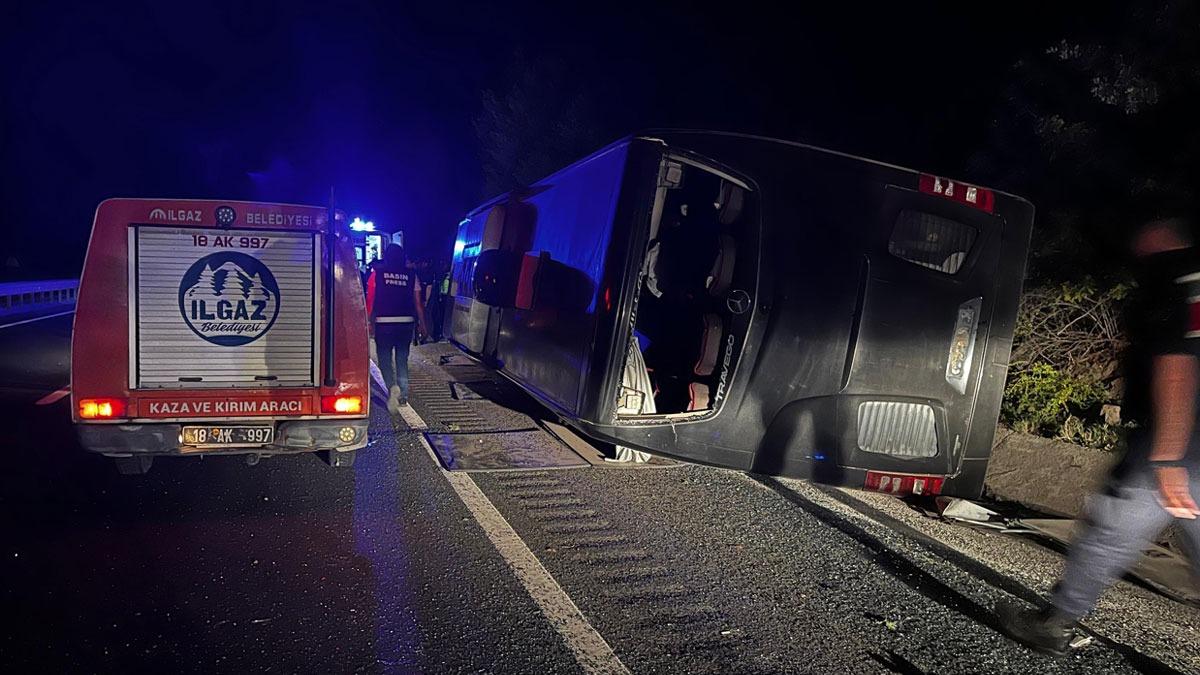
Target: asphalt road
{"points": [[215, 566]]}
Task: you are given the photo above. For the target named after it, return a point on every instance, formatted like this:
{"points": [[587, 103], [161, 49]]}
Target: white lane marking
{"points": [[592, 652], [40, 318], [411, 418], [54, 396]]}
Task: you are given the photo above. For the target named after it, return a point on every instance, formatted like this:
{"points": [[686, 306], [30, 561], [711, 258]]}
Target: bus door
{"points": [[914, 370]]}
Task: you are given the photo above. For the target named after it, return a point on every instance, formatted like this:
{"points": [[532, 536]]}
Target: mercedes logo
{"points": [[738, 301]]}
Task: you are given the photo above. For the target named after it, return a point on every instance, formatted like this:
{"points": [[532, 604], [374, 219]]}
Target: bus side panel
{"points": [[548, 348]]}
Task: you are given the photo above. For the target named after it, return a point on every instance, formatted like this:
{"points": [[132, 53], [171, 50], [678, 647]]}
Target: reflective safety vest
{"points": [[390, 294]]}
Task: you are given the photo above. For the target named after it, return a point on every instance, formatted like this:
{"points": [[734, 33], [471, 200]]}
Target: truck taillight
{"points": [[977, 197], [344, 405], [101, 408]]}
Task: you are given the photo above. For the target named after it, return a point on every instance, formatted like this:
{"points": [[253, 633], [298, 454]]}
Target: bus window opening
{"points": [[931, 241], [682, 321]]}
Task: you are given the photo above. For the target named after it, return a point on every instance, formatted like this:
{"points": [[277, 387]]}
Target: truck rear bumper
{"points": [[121, 440]]}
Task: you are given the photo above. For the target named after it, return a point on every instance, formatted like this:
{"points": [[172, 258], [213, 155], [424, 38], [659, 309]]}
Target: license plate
{"points": [[904, 483], [218, 436]]}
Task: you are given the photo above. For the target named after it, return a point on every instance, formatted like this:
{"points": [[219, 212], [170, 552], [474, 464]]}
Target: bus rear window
{"points": [[931, 241]]}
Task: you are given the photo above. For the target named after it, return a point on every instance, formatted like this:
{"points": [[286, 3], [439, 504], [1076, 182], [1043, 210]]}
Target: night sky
{"points": [[279, 101]]}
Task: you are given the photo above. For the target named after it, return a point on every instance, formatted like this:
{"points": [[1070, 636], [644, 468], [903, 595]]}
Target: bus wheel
{"points": [[338, 459], [133, 466]]}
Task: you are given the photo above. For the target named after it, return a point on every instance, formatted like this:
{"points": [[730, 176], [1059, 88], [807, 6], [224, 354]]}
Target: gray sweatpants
{"points": [[1122, 521]]}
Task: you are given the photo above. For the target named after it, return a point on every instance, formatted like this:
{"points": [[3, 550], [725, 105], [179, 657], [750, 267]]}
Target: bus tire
{"points": [[133, 466], [338, 459]]}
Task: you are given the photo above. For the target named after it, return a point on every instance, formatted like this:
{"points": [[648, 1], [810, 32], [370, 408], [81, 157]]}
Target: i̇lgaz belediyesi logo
{"points": [[229, 298]]}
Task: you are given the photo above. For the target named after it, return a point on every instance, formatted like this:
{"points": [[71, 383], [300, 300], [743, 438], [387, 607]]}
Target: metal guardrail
{"points": [[22, 297]]}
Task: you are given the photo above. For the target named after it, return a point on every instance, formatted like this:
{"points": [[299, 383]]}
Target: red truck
{"points": [[219, 327]]}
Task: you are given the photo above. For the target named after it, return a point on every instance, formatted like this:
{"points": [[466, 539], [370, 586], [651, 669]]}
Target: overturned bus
{"points": [[754, 304]]}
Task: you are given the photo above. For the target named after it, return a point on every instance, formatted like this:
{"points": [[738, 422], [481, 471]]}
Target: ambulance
{"points": [[219, 327]]}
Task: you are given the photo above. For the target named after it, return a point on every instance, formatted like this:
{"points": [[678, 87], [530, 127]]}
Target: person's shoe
{"points": [[1045, 631], [393, 404]]}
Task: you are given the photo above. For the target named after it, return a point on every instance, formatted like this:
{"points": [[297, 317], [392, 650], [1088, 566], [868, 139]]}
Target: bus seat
{"points": [[698, 396], [525, 282], [721, 274], [710, 345], [730, 199]]}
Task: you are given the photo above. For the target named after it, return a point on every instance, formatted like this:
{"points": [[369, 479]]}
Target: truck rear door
{"points": [[248, 300]]}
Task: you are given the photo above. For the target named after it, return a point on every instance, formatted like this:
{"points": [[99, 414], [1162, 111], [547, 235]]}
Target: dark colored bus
{"points": [[754, 304]]}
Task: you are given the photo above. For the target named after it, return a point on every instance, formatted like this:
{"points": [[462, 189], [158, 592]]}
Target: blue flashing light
{"points": [[359, 225], [459, 245], [819, 456]]}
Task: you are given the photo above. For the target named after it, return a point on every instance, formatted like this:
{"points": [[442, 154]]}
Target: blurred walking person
{"points": [[395, 307], [1157, 482]]}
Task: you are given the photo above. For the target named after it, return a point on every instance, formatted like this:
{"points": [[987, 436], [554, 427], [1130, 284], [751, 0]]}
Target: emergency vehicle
{"points": [[219, 327]]}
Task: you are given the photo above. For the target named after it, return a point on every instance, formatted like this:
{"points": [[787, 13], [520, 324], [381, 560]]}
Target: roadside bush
{"points": [[1073, 327], [1041, 399], [1064, 363]]}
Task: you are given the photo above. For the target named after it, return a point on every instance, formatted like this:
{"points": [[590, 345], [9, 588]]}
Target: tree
{"points": [[1101, 130], [544, 119]]}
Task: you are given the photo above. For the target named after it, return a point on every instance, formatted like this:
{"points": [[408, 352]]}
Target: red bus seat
{"points": [[698, 396], [721, 274]]}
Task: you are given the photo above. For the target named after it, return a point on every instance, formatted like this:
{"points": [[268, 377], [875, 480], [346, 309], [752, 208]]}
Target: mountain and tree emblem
{"points": [[229, 298]]}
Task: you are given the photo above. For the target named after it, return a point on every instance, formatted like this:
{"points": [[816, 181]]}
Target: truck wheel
{"points": [[338, 459], [133, 466]]}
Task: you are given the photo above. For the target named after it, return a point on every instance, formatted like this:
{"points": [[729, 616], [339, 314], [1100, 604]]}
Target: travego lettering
{"points": [[724, 369]]}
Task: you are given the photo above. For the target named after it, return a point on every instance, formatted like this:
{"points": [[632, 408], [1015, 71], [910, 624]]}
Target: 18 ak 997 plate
{"points": [[227, 436]]}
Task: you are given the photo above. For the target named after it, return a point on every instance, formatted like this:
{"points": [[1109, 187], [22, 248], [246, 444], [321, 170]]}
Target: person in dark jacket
{"points": [[395, 308], [1158, 480]]}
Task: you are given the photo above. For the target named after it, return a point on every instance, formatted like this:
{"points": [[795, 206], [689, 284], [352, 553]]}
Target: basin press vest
{"points": [[391, 291]]}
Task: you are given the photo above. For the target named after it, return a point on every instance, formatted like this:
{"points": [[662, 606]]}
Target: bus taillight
{"points": [[904, 483], [977, 197], [101, 408]]}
